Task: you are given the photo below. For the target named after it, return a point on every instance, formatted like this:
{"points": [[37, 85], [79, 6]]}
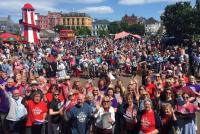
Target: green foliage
{"points": [[57, 28], [137, 29], [83, 31], [114, 28], [102, 32], [198, 4], [197, 16], [181, 19], [124, 26]]}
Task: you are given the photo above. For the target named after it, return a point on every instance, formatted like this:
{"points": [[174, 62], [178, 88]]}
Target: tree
{"points": [[114, 28], [197, 4], [57, 28], [197, 17], [124, 26], [83, 31], [102, 31], [178, 19], [137, 29]]}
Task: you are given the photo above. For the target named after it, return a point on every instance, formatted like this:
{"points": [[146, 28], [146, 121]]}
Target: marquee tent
{"points": [[125, 34], [9, 37]]}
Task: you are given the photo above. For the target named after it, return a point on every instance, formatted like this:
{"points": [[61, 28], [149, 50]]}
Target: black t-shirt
{"points": [[55, 105]]}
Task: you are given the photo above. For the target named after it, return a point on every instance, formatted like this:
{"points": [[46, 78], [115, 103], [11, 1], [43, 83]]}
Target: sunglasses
{"points": [[185, 97], [56, 94], [71, 94], [144, 94], [106, 101]]}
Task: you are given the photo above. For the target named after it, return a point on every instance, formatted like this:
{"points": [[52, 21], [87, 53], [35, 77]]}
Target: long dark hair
{"points": [[51, 87], [121, 90]]}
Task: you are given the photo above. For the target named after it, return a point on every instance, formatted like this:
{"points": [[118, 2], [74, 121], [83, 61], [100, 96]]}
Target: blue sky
{"points": [[101, 9]]}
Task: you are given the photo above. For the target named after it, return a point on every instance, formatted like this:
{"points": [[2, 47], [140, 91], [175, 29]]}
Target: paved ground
{"points": [[123, 78]]}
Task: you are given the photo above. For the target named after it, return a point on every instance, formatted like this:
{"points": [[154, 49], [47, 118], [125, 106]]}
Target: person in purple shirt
{"points": [[193, 85], [4, 108], [10, 85], [102, 86], [3, 77], [110, 94]]}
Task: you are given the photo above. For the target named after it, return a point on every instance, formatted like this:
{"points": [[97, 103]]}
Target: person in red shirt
{"points": [[150, 87], [169, 119], [49, 95], [149, 121], [37, 112]]}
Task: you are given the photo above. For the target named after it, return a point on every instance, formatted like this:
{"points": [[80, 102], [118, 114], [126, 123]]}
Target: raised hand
{"points": [[120, 100], [2, 86]]}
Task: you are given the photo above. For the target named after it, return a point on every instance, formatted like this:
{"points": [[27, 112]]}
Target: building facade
{"points": [[99, 25], [74, 20], [48, 22], [152, 26], [7, 25], [130, 20]]}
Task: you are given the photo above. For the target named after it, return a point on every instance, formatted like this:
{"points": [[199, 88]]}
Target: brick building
{"points": [[49, 21], [130, 20]]}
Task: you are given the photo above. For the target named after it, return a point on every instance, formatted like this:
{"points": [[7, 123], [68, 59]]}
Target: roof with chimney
{"points": [[104, 21], [151, 21]]}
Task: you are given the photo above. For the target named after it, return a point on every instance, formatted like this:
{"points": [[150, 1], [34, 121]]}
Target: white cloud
{"points": [[140, 2], [81, 1], [98, 10], [13, 7]]}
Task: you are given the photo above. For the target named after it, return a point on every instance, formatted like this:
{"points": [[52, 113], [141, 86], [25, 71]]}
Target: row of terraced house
{"points": [[75, 20]]}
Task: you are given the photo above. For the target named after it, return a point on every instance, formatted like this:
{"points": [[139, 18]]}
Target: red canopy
{"points": [[125, 34], [121, 35], [5, 36], [136, 36]]}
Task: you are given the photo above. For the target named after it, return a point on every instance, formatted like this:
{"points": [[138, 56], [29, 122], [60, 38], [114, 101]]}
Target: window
{"points": [[64, 21], [83, 23], [78, 21], [67, 21], [72, 21]]}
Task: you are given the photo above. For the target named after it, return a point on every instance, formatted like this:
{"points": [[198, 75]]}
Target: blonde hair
{"points": [[42, 79], [167, 105], [105, 98]]}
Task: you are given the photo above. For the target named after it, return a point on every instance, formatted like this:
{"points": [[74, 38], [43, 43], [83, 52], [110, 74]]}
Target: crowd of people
{"points": [[38, 95]]}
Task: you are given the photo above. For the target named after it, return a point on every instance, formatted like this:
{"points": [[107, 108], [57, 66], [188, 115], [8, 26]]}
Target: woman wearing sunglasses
{"points": [[105, 117], [55, 111], [186, 115]]}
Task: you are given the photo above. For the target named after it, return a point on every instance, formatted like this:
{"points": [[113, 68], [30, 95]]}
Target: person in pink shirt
{"points": [[23, 87]]}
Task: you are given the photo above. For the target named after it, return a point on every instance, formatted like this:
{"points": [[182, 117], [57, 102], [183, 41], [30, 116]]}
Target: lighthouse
{"points": [[30, 30]]}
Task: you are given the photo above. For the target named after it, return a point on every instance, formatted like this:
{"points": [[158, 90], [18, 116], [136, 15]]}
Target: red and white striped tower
{"points": [[30, 30]]}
